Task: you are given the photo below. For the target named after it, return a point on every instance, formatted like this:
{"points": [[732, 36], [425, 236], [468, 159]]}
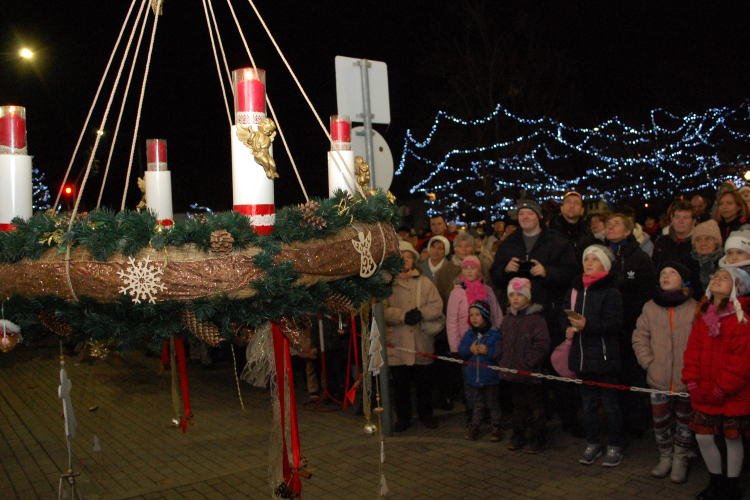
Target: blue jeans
{"points": [[590, 395]]}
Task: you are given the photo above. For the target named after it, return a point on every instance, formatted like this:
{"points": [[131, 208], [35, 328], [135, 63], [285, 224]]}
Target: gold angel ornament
{"points": [[362, 170], [142, 186], [367, 264], [258, 144]]}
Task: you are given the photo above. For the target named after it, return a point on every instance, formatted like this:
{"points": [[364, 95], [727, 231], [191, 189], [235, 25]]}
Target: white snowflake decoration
{"points": [[141, 280]]}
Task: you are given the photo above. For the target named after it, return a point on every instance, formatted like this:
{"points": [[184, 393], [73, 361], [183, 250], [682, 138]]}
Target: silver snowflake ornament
{"points": [[141, 280]]}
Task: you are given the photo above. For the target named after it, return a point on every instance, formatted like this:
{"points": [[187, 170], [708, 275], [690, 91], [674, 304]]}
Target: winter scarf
{"points": [[475, 290], [713, 320], [672, 298], [707, 263], [615, 246], [590, 280]]}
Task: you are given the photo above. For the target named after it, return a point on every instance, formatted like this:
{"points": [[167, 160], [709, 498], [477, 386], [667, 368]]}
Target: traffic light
{"points": [[68, 190]]}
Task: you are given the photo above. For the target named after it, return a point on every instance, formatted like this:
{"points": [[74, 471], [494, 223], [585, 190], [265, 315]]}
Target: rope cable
{"points": [[140, 105], [91, 110], [124, 98], [99, 136], [221, 45], [299, 85], [218, 66]]}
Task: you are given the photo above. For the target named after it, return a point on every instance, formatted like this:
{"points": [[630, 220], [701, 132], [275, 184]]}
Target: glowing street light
{"points": [[100, 132], [26, 53], [747, 175]]}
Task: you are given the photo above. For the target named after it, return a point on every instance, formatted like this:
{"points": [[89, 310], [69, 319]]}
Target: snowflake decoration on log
{"points": [[141, 280]]}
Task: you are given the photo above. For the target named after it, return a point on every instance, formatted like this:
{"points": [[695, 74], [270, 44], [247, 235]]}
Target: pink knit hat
{"points": [[471, 261], [520, 285]]}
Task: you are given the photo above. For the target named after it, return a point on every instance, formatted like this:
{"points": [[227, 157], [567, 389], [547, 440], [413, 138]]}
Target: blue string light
{"points": [[672, 154]]}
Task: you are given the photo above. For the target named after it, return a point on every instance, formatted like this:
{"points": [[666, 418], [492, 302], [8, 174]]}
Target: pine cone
{"points": [[204, 330], [308, 215], [57, 326], [339, 304], [221, 242]]}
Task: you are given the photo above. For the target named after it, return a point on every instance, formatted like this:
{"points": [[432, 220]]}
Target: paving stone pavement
{"points": [[224, 455]]}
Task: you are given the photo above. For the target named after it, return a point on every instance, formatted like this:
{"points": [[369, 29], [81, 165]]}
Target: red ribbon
{"points": [[351, 394], [282, 354], [257, 209], [180, 348], [7, 227]]}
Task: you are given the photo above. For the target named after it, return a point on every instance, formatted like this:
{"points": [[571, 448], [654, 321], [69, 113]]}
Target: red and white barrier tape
{"points": [[542, 375]]}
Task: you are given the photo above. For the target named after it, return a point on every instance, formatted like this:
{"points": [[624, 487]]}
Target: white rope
{"points": [[140, 104], [101, 127], [125, 95], [221, 45], [218, 67], [537, 375], [304, 94], [268, 100], [91, 110]]}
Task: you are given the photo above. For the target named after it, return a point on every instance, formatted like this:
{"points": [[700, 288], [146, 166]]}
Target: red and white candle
{"points": [[341, 128], [15, 167], [158, 181], [12, 130], [252, 191], [249, 95], [341, 157]]}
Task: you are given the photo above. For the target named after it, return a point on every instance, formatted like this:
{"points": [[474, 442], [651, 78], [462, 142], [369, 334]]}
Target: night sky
{"points": [[606, 59]]}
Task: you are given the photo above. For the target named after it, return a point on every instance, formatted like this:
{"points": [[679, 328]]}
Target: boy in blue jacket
{"points": [[479, 344]]}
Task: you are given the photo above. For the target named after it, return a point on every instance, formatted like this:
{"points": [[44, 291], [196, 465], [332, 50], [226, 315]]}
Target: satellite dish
{"points": [[382, 171]]}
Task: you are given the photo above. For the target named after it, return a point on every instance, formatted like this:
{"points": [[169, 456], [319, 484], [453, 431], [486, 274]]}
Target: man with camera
{"points": [[548, 260]]}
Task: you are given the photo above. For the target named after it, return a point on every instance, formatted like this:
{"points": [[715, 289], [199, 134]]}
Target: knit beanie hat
{"points": [[520, 285], [730, 185], [447, 244], [741, 284], [739, 240], [604, 254], [708, 228], [681, 269], [531, 205], [472, 261], [405, 246], [483, 307]]}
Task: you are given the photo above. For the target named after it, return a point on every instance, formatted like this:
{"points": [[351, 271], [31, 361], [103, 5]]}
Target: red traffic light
{"points": [[68, 190]]}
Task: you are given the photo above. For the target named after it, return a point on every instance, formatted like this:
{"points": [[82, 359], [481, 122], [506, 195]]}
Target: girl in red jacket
{"points": [[716, 372]]}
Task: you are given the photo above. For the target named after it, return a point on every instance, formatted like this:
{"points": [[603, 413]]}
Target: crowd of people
{"points": [[597, 297]]}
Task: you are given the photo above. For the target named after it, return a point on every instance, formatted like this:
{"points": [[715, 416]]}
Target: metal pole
{"points": [[385, 390], [367, 116]]}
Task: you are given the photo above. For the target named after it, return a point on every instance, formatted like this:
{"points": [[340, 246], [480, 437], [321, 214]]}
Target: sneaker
{"points": [[429, 422], [516, 441], [401, 425], [473, 433], [497, 434], [613, 457], [590, 454]]}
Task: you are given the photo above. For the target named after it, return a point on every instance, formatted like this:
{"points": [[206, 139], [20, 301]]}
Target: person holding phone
{"points": [[548, 261], [595, 351]]}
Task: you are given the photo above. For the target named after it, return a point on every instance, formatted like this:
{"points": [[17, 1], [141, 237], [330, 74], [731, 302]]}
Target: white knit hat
{"points": [[520, 285], [740, 285], [604, 254], [739, 240]]}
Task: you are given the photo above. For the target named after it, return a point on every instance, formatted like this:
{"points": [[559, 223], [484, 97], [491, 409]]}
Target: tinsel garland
{"points": [[133, 326]]}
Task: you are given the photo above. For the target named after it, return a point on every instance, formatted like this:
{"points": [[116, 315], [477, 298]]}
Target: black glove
{"points": [[413, 317]]}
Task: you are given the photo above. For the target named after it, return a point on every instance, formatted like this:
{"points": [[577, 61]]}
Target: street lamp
{"points": [[747, 175], [26, 53]]}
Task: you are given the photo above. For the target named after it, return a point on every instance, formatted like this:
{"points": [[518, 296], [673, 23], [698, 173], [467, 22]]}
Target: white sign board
{"points": [[382, 170], [349, 90]]}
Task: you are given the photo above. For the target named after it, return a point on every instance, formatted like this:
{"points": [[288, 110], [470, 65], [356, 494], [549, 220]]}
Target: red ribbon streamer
{"points": [[281, 354], [180, 348]]}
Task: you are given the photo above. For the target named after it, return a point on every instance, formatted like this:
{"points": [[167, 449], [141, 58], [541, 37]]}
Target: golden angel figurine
{"points": [[258, 144], [362, 170], [142, 186]]}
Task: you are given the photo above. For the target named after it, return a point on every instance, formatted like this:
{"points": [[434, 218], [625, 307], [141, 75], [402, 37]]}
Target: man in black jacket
{"points": [[637, 284], [547, 259], [571, 223]]}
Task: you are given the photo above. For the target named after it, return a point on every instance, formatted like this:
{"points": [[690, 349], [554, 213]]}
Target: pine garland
{"points": [[132, 326]]}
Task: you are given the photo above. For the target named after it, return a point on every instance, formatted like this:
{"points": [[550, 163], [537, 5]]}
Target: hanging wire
{"points": [[124, 97], [221, 45], [91, 110], [218, 67], [98, 138], [299, 85], [140, 105]]}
